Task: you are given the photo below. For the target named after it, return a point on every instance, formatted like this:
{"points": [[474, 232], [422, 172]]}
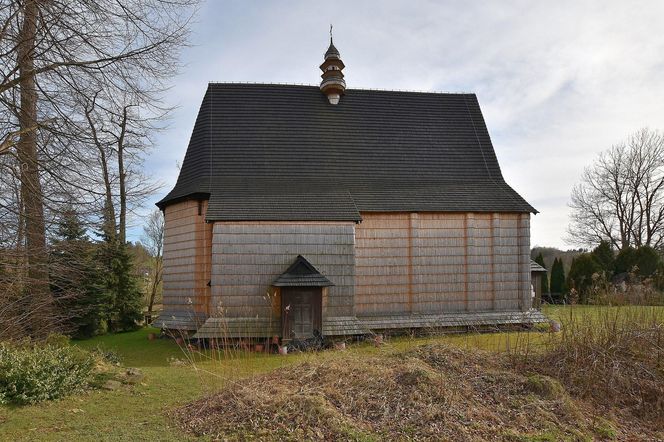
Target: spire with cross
{"points": [[333, 84]]}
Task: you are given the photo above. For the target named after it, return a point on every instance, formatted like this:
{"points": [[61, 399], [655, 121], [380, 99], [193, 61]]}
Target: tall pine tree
{"points": [[603, 255], [125, 298], [558, 281]]}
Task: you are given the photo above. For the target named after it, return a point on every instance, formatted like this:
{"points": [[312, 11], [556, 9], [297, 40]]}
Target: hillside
{"points": [[551, 253]]}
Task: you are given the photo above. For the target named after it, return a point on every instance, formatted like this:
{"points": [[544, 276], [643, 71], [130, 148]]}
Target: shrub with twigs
{"points": [[31, 373], [614, 356]]}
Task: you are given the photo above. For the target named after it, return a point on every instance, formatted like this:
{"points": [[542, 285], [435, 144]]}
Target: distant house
{"points": [[537, 272], [303, 210]]}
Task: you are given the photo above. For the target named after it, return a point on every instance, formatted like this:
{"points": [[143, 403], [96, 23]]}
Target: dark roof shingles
{"points": [[374, 151], [301, 274]]}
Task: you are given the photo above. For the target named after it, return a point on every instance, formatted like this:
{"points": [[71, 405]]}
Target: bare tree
{"points": [[621, 196], [153, 240], [122, 128], [54, 56]]}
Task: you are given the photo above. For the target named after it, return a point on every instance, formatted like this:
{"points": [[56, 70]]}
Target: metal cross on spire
{"points": [[330, 33]]}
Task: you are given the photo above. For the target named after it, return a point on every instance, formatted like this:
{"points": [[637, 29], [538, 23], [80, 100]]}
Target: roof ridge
{"points": [[410, 91]]}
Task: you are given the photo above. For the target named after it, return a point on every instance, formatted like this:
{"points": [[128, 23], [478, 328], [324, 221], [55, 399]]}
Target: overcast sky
{"points": [[558, 82]]}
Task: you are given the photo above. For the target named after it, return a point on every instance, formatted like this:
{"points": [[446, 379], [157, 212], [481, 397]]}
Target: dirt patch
{"points": [[431, 393]]}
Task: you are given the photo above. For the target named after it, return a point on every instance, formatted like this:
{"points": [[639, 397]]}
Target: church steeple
{"points": [[333, 84]]}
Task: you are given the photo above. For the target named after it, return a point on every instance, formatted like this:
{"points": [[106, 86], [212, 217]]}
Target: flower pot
{"points": [[152, 336], [259, 348], [179, 341], [283, 350], [339, 345], [378, 340]]}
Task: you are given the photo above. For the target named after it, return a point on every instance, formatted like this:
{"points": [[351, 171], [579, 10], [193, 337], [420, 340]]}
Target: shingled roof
{"points": [[282, 152], [301, 274], [534, 267]]}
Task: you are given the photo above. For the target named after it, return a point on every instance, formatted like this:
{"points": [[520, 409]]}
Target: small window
{"points": [[200, 207]]}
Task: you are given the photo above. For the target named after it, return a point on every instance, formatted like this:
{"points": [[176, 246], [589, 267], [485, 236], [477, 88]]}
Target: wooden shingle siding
{"points": [[382, 281], [248, 256], [441, 262], [524, 261], [187, 242]]}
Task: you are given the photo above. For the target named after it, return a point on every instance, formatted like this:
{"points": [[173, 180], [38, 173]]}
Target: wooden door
{"points": [[301, 312]]}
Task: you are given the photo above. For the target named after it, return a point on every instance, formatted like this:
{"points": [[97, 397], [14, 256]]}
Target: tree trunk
{"points": [[153, 291], [123, 178], [40, 303], [109, 226]]}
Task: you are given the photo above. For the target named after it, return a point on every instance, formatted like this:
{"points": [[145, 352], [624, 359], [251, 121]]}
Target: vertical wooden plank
{"points": [[468, 240], [536, 281], [208, 266], [495, 232], [412, 230], [186, 258], [384, 248], [524, 260]]}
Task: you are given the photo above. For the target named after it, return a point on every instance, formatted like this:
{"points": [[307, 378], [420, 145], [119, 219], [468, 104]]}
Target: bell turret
{"points": [[333, 84]]}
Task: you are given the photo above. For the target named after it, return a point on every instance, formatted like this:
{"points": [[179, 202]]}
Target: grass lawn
{"points": [[137, 412]]}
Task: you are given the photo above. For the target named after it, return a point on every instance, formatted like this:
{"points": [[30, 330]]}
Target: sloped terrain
{"points": [[433, 392]]}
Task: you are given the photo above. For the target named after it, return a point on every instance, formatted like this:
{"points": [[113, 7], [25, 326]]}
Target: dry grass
{"points": [[434, 392], [601, 378], [614, 357]]}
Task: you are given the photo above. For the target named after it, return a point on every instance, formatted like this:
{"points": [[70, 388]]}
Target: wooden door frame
{"points": [[317, 320]]}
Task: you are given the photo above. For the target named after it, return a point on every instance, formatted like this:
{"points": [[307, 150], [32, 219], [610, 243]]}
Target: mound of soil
{"points": [[431, 393]]}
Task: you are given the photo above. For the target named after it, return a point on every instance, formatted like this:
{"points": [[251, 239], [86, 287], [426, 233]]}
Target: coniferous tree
{"points": [[603, 255], [128, 299], [66, 64], [558, 281], [75, 278], [642, 262], [554, 283], [580, 275], [125, 298]]}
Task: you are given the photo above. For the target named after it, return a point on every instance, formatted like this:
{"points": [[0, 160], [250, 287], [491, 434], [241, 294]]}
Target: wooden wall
{"points": [[248, 256], [536, 279], [391, 263], [442, 262], [187, 249]]}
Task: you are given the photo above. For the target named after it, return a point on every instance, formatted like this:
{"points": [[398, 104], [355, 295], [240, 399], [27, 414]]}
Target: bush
{"points": [[34, 373], [643, 262]]}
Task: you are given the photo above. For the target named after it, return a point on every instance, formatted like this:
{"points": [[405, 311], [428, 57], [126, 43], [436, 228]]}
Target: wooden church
{"points": [[303, 211]]}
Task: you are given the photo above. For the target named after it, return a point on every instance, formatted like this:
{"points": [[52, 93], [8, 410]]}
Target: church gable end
{"points": [[325, 210]]}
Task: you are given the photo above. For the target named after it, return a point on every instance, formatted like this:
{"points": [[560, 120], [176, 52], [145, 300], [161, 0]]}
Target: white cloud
{"points": [[558, 81]]}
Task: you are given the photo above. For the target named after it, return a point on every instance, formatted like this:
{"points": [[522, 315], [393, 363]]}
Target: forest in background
{"points": [[82, 86]]}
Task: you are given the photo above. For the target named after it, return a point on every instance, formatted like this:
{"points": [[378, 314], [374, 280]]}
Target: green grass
{"points": [[138, 412], [593, 312], [133, 412]]}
